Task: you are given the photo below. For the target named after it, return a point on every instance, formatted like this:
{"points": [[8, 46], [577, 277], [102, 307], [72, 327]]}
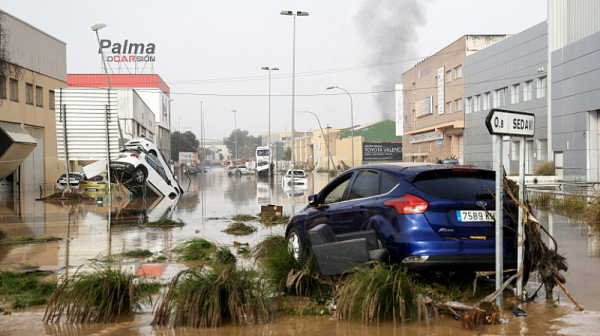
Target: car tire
{"points": [[295, 244], [139, 175]]}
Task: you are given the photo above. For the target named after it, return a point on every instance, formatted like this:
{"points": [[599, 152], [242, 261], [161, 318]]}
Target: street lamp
{"points": [[269, 137], [323, 135], [351, 117], [95, 28], [290, 13], [328, 128], [235, 136]]}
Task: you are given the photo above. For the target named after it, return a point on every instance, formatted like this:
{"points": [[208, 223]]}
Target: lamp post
{"points": [[95, 28], [269, 137], [293, 140], [323, 135], [351, 117], [235, 136], [328, 128]]}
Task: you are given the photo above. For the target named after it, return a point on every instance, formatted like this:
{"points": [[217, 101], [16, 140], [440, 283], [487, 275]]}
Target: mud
{"points": [[95, 230]]}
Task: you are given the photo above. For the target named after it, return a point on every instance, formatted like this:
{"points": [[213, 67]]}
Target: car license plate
{"points": [[474, 216], [91, 189]]}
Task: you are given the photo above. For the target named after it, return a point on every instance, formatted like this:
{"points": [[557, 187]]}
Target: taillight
{"points": [[101, 182], [408, 204], [135, 155], [84, 182]]}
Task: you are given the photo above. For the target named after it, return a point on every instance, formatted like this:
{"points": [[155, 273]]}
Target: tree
{"points": [[244, 140], [183, 142]]}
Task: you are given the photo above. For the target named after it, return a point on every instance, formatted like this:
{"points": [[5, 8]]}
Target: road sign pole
{"points": [[520, 235], [499, 218]]}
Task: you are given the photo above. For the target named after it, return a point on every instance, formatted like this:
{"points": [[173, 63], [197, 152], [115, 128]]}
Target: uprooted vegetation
{"points": [[239, 228], [273, 218], [25, 289], [16, 239]]}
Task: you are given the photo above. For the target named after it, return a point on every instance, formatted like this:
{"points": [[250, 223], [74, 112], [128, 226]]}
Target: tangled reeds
{"points": [[203, 297], [99, 296]]}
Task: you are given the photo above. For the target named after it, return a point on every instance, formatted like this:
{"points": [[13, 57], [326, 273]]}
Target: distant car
{"points": [[143, 175], [449, 161], [192, 170], [300, 178], [74, 180], [96, 183], [429, 217], [148, 146]]}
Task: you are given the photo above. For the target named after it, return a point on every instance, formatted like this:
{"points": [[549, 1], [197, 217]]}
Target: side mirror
{"points": [[312, 199]]}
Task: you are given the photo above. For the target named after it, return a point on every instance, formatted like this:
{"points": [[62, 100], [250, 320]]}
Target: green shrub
{"points": [[25, 289], [195, 249]]}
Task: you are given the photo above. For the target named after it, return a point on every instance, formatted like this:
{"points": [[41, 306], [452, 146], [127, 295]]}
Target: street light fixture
{"points": [[293, 140], [351, 117], [323, 135], [269, 137]]}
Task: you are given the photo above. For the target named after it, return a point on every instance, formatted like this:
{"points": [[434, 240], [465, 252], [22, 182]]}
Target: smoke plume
{"points": [[389, 29]]}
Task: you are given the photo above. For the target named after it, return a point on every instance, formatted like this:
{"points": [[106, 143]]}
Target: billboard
{"points": [[382, 151], [188, 158]]}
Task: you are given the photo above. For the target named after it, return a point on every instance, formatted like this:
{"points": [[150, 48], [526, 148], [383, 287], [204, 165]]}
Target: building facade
{"points": [[33, 67], [433, 102]]}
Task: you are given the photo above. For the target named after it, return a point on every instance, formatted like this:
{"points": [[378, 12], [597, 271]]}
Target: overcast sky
{"points": [[213, 51]]}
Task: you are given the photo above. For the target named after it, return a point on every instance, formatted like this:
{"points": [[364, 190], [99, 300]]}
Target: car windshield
{"points": [[463, 184]]}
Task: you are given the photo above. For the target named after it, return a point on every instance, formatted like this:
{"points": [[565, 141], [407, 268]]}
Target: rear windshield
{"points": [[463, 184]]}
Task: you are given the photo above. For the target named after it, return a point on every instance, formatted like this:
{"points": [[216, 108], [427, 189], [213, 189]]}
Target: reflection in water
{"points": [[144, 210]]}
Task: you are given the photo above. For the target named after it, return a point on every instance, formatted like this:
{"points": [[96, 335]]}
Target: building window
{"points": [[514, 93], [51, 102], [458, 72], [486, 101], [2, 87], [468, 107], [14, 89], [39, 96], [458, 105], [541, 87], [29, 93], [448, 76], [476, 104], [449, 107], [527, 90], [502, 95], [495, 98]]}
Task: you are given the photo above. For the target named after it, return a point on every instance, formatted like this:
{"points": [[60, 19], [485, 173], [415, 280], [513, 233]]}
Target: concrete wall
{"points": [[512, 61], [575, 105]]}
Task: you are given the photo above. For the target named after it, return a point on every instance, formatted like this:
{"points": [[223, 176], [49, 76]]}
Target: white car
{"points": [[148, 146], [143, 175], [299, 178], [74, 180]]}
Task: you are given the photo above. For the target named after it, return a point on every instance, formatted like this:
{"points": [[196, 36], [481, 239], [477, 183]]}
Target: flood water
{"points": [[206, 208]]}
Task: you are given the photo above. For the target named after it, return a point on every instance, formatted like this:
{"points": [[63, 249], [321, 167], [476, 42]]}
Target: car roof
{"points": [[408, 170]]}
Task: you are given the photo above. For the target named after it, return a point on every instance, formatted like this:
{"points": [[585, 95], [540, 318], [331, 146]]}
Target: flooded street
{"points": [[206, 208]]}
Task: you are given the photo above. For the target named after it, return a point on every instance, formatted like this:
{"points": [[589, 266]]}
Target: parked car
{"points": [[192, 170], [74, 180], [300, 178], [96, 183], [143, 175], [429, 217]]}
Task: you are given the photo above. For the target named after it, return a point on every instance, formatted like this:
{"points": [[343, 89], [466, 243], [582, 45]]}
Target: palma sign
{"points": [[128, 51]]}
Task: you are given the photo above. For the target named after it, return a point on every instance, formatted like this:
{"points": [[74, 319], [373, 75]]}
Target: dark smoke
{"points": [[389, 29]]}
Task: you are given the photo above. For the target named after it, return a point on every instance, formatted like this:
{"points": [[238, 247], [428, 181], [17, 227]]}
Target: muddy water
{"points": [[206, 208]]}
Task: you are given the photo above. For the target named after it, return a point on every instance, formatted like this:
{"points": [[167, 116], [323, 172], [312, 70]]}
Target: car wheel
{"points": [[295, 244], [139, 176]]}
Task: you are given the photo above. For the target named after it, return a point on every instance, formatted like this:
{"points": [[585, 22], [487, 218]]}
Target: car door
{"points": [[329, 200], [353, 213]]}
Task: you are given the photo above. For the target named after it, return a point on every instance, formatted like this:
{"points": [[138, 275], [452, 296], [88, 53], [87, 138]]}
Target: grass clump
{"points": [[545, 168], [29, 240], [223, 256], [202, 298], [239, 228], [101, 296], [195, 249], [25, 289], [137, 253], [244, 218], [592, 212], [542, 200], [166, 222], [572, 203], [382, 293], [285, 274], [273, 219]]}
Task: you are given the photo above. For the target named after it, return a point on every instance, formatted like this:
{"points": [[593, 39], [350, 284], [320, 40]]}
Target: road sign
{"points": [[504, 122]]}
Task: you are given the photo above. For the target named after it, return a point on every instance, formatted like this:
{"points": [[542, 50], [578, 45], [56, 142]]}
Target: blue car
{"points": [[428, 217]]}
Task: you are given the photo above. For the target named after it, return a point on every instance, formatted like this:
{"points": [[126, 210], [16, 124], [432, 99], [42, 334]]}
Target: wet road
{"points": [[206, 208]]}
